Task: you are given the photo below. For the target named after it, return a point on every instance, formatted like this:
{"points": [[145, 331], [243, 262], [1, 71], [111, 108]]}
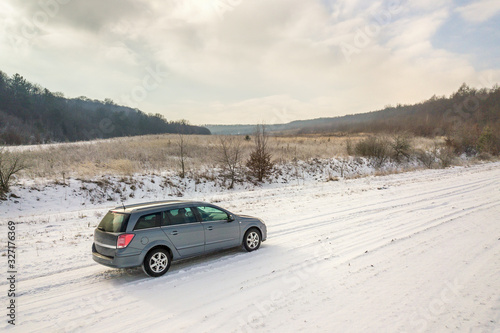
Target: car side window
{"points": [[212, 214], [148, 221], [178, 216]]}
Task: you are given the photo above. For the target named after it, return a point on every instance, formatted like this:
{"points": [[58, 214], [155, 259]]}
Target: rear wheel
{"points": [[251, 240], [157, 262]]}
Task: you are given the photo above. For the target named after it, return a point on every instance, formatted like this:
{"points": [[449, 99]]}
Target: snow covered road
{"points": [[415, 252]]}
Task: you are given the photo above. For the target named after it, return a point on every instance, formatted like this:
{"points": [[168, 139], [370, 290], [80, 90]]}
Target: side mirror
{"points": [[230, 218]]}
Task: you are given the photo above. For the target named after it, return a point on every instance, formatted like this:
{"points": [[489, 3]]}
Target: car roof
{"points": [[152, 205]]}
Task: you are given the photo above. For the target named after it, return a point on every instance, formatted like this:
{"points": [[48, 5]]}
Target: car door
{"points": [[147, 230], [184, 231], [220, 230]]}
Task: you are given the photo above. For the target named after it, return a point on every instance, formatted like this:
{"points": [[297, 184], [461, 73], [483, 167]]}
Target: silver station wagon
{"points": [[153, 234]]}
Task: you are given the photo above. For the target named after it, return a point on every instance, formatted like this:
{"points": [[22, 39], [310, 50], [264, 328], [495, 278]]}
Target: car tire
{"points": [[157, 262], [252, 240]]}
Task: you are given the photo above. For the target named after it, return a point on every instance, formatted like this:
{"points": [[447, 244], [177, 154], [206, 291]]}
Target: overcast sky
{"points": [[252, 61]]}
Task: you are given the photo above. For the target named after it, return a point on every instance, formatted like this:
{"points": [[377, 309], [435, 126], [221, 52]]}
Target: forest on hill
{"points": [[468, 110], [31, 114]]}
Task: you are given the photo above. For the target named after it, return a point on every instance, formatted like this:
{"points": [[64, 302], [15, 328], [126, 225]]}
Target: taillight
{"points": [[124, 240]]}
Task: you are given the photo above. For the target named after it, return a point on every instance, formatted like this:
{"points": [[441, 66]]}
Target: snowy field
{"points": [[410, 252]]}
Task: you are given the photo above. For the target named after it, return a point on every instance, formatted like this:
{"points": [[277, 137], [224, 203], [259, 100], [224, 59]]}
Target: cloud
{"points": [[91, 15], [239, 61], [479, 11], [415, 30]]}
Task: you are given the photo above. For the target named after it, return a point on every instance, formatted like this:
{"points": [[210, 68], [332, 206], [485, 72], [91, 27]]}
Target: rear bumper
{"points": [[116, 262]]}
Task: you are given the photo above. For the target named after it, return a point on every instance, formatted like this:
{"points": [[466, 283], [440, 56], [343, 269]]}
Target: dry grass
{"points": [[425, 143], [157, 153], [303, 148]]}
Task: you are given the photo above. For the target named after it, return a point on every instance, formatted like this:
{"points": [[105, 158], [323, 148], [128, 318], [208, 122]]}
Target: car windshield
{"points": [[114, 222]]}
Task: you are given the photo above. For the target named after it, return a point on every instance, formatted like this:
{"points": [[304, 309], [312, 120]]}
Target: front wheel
{"points": [[156, 263], [251, 241]]}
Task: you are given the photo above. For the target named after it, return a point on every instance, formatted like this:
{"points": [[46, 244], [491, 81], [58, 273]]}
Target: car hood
{"points": [[248, 218]]}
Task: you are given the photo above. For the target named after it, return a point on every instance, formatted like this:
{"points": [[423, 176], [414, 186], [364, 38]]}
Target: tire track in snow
{"points": [[388, 204], [354, 229]]}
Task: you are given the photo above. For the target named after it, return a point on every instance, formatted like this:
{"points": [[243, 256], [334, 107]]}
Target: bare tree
{"points": [[259, 163], [181, 143], [349, 147], [10, 164], [229, 156]]}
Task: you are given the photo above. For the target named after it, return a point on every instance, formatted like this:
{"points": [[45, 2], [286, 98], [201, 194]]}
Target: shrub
{"points": [[375, 148], [484, 156], [463, 140], [427, 158], [10, 164], [488, 142], [401, 147], [348, 147], [445, 155]]}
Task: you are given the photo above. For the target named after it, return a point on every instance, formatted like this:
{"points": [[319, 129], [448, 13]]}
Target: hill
{"points": [[32, 114], [468, 109]]}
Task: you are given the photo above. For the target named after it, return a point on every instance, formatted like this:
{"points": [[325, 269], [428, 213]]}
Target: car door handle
{"points": [[174, 232], [209, 228]]}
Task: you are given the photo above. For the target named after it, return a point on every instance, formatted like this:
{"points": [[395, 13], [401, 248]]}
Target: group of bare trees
{"points": [[258, 165], [230, 156]]}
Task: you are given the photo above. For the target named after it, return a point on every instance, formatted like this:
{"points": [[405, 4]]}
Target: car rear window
{"points": [[114, 222], [148, 221]]}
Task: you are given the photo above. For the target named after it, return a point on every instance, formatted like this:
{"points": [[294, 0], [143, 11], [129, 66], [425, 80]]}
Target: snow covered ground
{"points": [[410, 252]]}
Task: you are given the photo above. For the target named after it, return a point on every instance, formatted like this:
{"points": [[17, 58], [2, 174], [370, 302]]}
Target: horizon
{"points": [[388, 106]]}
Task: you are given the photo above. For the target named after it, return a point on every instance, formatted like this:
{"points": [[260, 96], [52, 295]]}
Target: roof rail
{"points": [[145, 204]]}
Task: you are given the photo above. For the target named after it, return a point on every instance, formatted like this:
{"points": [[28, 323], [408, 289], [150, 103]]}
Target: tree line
{"points": [[31, 114], [467, 110]]}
